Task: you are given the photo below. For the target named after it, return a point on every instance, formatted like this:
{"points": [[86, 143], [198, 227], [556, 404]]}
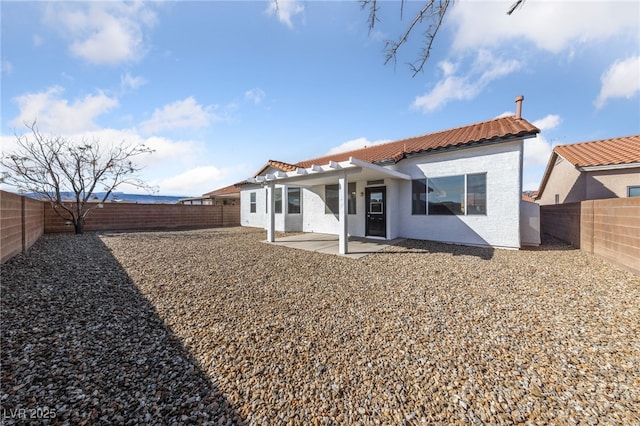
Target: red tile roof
{"points": [[487, 131], [606, 152], [227, 190]]}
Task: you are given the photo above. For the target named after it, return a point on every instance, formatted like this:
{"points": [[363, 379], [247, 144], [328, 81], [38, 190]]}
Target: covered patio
{"points": [[327, 243], [333, 172]]}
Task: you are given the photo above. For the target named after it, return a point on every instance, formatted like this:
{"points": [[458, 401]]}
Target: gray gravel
{"points": [[216, 327]]}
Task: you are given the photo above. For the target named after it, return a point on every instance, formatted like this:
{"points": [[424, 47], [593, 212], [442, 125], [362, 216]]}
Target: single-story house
{"points": [[608, 168], [461, 185]]}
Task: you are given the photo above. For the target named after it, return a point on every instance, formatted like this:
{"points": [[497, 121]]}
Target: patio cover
{"points": [[323, 175]]}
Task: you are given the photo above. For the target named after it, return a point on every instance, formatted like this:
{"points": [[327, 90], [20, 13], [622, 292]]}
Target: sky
{"points": [[218, 88]]}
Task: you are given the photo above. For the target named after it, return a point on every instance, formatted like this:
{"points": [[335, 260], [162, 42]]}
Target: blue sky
{"points": [[217, 88]]}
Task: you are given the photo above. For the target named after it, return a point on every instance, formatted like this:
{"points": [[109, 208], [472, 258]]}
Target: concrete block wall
{"points": [[131, 216], [21, 224], [562, 221], [609, 228]]}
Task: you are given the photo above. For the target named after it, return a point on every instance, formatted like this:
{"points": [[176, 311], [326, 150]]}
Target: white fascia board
{"points": [[374, 167], [609, 167]]}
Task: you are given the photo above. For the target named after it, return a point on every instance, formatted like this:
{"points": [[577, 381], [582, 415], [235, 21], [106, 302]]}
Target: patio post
{"points": [[271, 220], [343, 241]]}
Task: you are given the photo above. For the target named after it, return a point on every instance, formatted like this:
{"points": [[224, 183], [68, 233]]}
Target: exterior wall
{"points": [[21, 224], [131, 216], [565, 181], [609, 228], [500, 227], [572, 186], [610, 183], [283, 221], [529, 223]]}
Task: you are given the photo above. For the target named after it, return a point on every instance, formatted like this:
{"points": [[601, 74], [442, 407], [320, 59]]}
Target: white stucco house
{"points": [[461, 186]]}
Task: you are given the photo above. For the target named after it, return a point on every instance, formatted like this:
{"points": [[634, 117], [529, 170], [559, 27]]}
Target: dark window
{"points": [[419, 196], [477, 193], [446, 195], [293, 200], [332, 200], [278, 199], [252, 202]]}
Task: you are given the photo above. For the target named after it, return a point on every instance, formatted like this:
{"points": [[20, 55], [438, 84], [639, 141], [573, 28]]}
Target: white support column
{"points": [[343, 205], [271, 218]]}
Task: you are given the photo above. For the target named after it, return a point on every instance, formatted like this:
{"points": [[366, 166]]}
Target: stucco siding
{"points": [[500, 227], [610, 183]]}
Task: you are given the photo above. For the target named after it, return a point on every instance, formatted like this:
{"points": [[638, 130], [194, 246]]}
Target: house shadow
{"points": [[430, 247], [81, 341]]}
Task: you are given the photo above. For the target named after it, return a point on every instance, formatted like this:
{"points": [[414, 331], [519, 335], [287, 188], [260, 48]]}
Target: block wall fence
{"points": [[609, 228], [23, 220], [21, 224]]}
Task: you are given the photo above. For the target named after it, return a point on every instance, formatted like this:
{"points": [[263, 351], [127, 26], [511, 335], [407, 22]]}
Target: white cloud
{"points": [[196, 181], [127, 81], [7, 67], [354, 144], [485, 68], [186, 113], [56, 114], [538, 149], [621, 80], [37, 40], [255, 95], [284, 10], [554, 26], [102, 32]]}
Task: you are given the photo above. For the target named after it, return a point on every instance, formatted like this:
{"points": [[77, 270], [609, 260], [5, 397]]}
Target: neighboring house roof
{"points": [[529, 198], [491, 131], [604, 154], [233, 189]]}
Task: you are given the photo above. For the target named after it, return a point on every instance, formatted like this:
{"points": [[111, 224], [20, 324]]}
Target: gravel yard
{"points": [[216, 327]]}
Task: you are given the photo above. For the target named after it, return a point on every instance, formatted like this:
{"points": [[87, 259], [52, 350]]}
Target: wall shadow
{"points": [[428, 247], [79, 340]]}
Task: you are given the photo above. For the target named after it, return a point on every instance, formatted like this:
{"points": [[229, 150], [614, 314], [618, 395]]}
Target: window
{"points": [[278, 199], [556, 199], [419, 196], [252, 202], [447, 195], [477, 193], [633, 191], [293, 200], [332, 200]]}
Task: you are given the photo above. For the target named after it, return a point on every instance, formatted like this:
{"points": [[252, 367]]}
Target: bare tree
{"points": [[51, 166], [430, 17]]}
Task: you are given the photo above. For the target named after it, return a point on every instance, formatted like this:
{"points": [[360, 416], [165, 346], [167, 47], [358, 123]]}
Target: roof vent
{"points": [[519, 100]]}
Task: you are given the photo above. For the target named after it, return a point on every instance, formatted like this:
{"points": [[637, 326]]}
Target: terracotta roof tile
{"points": [[227, 190], [486, 131], [606, 152]]}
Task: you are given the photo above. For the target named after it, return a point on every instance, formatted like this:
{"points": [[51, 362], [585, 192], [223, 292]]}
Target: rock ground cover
{"points": [[216, 327]]}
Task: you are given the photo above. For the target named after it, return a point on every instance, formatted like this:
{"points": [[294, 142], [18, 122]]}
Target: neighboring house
{"points": [[608, 168], [228, 195], [461, 186]]}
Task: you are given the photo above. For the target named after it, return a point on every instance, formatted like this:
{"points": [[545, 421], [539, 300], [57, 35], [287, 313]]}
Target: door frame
{"points": [[367, 201]]}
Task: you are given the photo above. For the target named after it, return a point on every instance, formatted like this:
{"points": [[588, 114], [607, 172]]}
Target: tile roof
{"points": [[487, 131], [606, 152], [227, 190]]}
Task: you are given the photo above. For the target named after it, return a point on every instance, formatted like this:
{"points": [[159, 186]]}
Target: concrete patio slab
{"points": [[327, 243]]}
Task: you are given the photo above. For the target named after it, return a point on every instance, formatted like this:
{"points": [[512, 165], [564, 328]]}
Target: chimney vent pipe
{"points": [[519, 100]]}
